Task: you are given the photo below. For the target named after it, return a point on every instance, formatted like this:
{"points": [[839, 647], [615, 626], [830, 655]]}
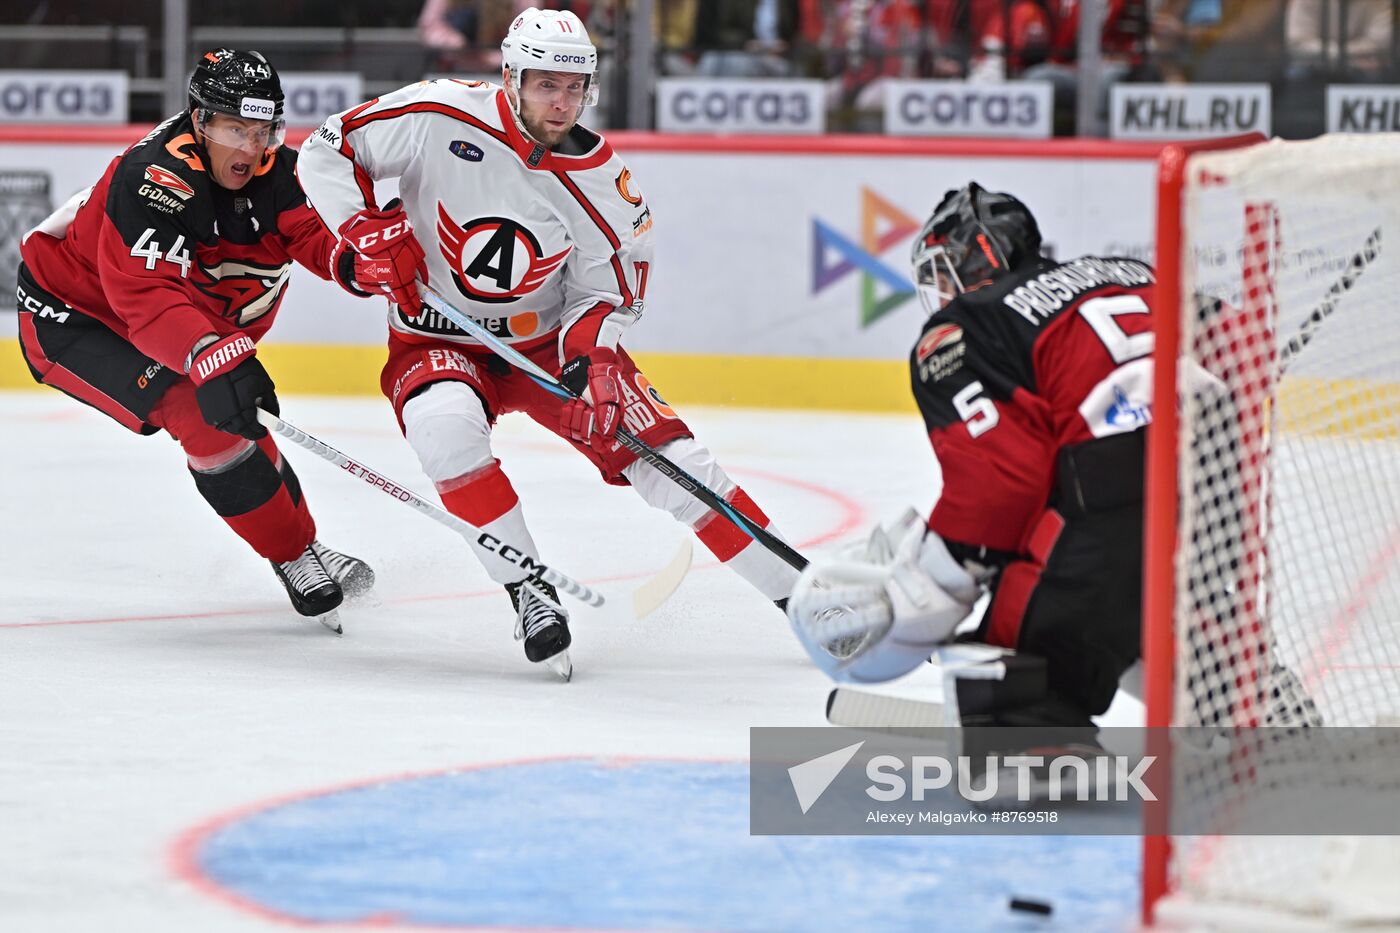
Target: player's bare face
{"points": [[235, 148], [550, 102]]}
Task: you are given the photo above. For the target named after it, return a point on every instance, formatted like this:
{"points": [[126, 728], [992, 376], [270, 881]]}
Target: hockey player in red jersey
{"points": [[532, 225], [145, 295], [1034, 381]]}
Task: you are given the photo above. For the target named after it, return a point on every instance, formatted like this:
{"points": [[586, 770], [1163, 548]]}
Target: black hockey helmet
{"points": [[240, 84], [973, 237]]}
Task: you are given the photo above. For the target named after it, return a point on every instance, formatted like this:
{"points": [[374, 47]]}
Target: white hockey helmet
{"points": [[549, 40]]}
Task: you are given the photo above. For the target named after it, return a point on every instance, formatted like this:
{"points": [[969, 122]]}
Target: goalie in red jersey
{"points": [[1034, 381], [145, 295]]}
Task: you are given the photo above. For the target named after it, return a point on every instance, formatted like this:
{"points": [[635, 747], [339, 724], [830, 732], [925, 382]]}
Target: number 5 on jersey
{"points": [[977, 411]]}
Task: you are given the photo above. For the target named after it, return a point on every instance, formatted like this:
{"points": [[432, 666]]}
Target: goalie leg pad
{"points": [[1080, 610], [987, 686]]}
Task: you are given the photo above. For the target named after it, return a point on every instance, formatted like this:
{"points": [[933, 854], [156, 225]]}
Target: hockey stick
{"points": [[396, 491], [629, 440], [1358, 264]]}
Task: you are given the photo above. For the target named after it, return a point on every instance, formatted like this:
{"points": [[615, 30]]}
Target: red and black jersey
{"points": [[1007, 375], [163, 255]]}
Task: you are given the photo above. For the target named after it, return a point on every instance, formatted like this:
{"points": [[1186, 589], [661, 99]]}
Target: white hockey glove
{"points": [[879, 614]]}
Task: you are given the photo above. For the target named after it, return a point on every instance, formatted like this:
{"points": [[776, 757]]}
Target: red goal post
{"points": [[1160, 525]]}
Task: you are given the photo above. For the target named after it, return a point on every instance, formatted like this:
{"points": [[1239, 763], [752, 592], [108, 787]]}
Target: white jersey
{"points": [[524, 240]]}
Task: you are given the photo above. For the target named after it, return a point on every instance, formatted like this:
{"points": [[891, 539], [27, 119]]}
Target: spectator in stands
{"points": [[673, 28], [450, 29], [1122, 48], [1178, 26], [1354, 47], [987, 39], [745, 38], [1218, 40], [675, 34], [870, 40], [449, 25], [1326, 44]]}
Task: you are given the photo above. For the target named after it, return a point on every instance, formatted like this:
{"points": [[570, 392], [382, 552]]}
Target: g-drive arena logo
{"points": [[883, 228]]}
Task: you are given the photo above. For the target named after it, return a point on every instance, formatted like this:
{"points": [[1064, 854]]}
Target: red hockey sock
{"points": [[723, 537], [481, 496], [259, 497], [768, 574], [486, 498]]}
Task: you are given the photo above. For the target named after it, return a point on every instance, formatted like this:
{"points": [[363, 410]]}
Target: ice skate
{"points": [[311, 589], [354, 575], [543, 624]]}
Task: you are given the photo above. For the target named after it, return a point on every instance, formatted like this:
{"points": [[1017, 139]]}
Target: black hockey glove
{"points": [[230, 385]]}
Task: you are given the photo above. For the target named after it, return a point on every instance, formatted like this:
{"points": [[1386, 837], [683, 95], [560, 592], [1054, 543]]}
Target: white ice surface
{"points": [[154, 678]]}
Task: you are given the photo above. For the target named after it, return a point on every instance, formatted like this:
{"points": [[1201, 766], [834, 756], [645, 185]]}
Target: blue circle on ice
{"points": [[637, 844]]}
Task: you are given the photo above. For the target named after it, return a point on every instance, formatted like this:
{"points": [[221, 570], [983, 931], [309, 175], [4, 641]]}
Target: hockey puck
{"points": [[1031, 907]]}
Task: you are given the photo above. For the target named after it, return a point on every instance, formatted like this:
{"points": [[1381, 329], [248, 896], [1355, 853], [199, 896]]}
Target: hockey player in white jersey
{"points": [[533, 226]]}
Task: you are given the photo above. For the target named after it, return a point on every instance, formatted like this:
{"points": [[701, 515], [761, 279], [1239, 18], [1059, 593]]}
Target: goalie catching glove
{"points": [[378, 253], [880, 613]]}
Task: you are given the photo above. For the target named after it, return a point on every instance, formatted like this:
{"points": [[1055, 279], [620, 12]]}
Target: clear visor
{"points": [[551, 89], [936, 280], [250, 136]]}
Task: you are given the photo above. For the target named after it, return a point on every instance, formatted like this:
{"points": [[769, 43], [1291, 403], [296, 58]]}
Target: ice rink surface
{"points": [[180, 752]]}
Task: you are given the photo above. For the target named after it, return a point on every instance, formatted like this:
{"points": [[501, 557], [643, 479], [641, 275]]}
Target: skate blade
{"points": [[331, 620], [561, 664]]}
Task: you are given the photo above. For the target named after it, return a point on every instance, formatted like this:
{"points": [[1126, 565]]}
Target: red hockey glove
{"points": [[230, 386], [379, 253], [593, 419]]}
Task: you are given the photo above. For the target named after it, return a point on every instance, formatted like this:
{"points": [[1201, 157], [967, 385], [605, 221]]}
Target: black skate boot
{"points": [[312, 591], [543, 624], [354, 575]]}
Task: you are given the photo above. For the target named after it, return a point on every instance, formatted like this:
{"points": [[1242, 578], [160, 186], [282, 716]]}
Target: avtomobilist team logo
{"points": [[494, 259], [834, 256]]}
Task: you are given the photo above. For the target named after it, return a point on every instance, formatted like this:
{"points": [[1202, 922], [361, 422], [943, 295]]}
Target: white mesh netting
{"points": [[1288, 558]]}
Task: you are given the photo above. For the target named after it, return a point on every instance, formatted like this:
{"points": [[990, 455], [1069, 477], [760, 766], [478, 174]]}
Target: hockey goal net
{"points": [[1273, 530]]}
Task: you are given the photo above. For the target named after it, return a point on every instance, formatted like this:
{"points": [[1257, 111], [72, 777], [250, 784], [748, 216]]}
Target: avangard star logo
{"points": [[494, 259]]}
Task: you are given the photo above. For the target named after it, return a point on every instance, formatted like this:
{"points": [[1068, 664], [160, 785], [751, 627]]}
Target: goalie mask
{"points": [[549, 40], [973, 237], [238, 84]]}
